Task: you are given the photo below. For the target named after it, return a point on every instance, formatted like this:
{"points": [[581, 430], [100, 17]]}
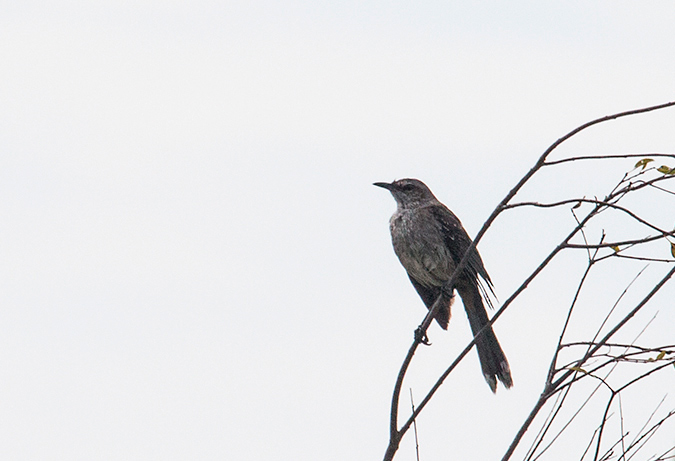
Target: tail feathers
{"points": [[492, 359]]}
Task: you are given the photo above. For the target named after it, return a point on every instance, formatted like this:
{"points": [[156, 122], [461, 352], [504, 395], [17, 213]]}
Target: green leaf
{"points": [[672, 249], [665, 169], [579, 369], [615, 248], [661, 355], [643, 163]]}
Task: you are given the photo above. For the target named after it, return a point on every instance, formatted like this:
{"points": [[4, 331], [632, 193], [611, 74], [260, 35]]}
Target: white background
{"points": [[195, 265]]}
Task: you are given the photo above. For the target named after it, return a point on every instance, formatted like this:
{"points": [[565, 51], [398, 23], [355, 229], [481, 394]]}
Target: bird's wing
{"points": [[458, 241]]}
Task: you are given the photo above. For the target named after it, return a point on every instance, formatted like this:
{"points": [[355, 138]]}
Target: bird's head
{"points": [[408, 192]]}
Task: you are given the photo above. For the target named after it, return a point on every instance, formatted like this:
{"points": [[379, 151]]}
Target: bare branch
{"points": [[605, 157], [651, 238], [595, 202]]}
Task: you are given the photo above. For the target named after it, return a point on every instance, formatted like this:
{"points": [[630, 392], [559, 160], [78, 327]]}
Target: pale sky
{"points": [[194, 261]]}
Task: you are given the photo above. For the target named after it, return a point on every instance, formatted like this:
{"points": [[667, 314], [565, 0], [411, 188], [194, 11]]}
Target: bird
{"points": [[430, 241]]}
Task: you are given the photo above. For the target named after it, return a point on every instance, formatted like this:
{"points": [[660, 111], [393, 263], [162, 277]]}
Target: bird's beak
{"points": [[384, 185]]}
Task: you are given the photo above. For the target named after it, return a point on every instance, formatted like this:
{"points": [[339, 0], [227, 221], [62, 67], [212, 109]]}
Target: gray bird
{"points": [[430, 242]]}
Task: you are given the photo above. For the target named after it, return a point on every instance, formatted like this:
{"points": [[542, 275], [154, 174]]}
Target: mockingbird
{"points": [[430, 242]]}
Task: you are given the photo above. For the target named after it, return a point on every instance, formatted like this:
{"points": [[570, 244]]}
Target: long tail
{"points": [[490, 353]]}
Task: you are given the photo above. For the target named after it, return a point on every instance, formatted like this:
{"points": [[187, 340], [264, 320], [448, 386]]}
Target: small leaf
{"points": [[672, 249], [661, 355], [665, 169], [579, 369], [577, 205], [643, 163], [615, 248]]}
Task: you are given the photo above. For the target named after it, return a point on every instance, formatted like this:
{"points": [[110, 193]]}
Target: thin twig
{"points": [[596, 202], [609, 156], [417, 444]]}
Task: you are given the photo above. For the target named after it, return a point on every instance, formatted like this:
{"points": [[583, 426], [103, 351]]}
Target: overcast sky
{"points": [[194, 263]]}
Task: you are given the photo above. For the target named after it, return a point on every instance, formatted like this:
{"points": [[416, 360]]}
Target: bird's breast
{"points": [[419, 245]]}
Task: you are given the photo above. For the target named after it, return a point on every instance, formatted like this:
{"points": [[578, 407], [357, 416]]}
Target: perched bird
{"points": [[430, 242]]}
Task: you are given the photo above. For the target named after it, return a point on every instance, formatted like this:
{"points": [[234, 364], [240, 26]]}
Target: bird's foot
{"points": [[421, 337]]}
